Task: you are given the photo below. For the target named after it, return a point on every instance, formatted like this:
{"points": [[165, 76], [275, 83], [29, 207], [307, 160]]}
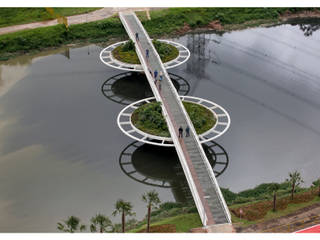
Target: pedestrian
{"points": [[160, 76], [180, 132], [155, 74], [137, 37], [150, 72], [159, 86], [147, 53], [187, 131]]}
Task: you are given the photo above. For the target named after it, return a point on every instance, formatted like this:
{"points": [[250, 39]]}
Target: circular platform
{"points": [[107, 58], [221, 126]]}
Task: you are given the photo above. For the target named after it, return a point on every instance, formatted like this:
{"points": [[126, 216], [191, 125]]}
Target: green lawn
{"points": [[182, 222], [15, 16]]}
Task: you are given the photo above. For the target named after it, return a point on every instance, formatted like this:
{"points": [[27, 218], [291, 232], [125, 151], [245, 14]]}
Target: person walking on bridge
{"points": [[155, 74], [160, 76], [137, 36], [147, 53], [187, 131], [180, 132]]}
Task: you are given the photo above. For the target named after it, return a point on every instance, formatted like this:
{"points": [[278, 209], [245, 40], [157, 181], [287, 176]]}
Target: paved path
{"points": [[204, 188], [76, 19]]}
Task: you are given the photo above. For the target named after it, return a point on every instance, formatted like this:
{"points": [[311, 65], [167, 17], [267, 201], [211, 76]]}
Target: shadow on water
{"points": [[128, 87], [160, 166]]}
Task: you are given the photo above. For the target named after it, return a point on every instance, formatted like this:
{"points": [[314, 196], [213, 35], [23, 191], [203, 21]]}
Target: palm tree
{"points": [[294, 180], [101, 221], [152, 200], [123, 208], [274, 187], [71, 225], [317, 184]]}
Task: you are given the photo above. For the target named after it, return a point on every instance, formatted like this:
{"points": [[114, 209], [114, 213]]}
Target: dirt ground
{"points": [[293, 222]]}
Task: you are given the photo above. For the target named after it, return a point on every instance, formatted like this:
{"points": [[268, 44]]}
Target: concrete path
{"points": [[76, 19]]}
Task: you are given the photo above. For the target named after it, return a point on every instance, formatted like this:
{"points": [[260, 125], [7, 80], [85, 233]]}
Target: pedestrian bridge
{"points": [[204, 187]]}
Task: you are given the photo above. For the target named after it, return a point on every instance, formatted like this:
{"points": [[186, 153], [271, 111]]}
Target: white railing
{"points": [[194, 135], [172, 128]]}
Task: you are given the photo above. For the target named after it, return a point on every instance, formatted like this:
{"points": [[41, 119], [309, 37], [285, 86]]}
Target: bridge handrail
{"points": [[172, 129], [204, 158]]}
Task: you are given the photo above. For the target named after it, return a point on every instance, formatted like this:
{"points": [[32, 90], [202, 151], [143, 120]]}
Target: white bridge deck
{"points": [[202, 182]]}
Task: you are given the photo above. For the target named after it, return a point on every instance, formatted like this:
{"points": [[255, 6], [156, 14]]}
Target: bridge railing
{"points": [[167, 116], [173, 128], [194, 135]]}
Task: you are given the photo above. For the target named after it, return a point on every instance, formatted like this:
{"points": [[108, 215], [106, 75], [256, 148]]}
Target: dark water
{"points": [[62, 154]]}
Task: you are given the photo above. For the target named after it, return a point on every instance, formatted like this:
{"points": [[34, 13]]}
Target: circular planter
{"points": [[126, 126], [107, 58]]}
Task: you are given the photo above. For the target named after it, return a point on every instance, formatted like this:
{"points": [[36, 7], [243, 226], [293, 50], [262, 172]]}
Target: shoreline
{"points": [[214, 26]]}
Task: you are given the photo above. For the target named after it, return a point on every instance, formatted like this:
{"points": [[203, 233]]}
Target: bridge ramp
{"points": [[204, 187]]}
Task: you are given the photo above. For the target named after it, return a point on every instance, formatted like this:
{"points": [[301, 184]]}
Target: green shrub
{"points": [[128, 46], [170, 205], [239, 200], [148, 118]]}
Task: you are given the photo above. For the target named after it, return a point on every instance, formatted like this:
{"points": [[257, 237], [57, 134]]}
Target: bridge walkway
{"points": [[203, 185]]}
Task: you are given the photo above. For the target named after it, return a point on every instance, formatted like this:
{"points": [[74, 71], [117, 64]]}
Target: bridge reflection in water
{"points": [[160, 167], [129, 87]]}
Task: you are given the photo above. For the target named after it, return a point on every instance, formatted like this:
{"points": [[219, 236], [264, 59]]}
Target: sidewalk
{"points": [[76, 19]]}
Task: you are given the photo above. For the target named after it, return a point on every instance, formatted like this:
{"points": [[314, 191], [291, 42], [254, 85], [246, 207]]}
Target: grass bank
{"points": [[148, 118], [172, 21], [127, 53], [182, 218], [15, 16], [182, 223]]}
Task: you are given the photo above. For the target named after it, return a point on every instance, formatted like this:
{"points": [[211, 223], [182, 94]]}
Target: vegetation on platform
{"points": [[148, 118], [163, 22], [14, 16], [127, 53]]}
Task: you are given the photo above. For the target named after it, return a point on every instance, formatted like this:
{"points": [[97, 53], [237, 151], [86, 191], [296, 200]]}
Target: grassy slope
{"points": [[182, 222], [14, 16], [163, 22], [185, 222]]}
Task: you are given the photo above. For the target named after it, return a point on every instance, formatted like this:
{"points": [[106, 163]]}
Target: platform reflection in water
{"points": [[160, 167], [128, 87]]}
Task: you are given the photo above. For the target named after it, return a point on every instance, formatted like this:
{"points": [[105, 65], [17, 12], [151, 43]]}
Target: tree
{"points": [[317, 184], [100, 221], [71, 225], [152, 200], [123, 208], [294, 180], [274, 187]]}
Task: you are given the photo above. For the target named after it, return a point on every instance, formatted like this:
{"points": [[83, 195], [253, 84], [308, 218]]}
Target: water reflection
{"points": [[308, 25], [202, 54], [160, 167], [128, 87], [15, 69]]}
